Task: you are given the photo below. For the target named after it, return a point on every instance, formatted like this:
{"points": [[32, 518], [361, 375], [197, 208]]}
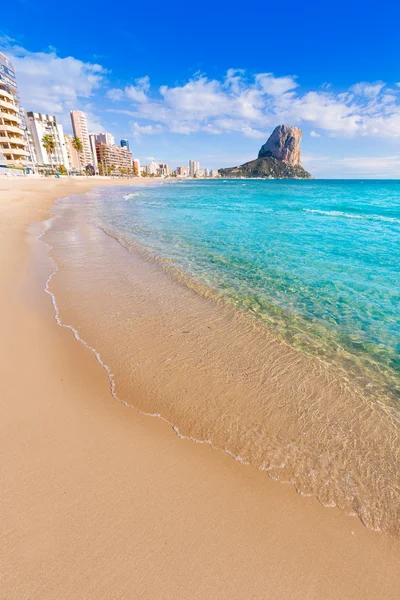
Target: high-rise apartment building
{"points": [[13, 140], [93, 145], [152, 168], [72, 154], [124, 144], [80, 129], [194, 166], [40, 125], [113, 159], [182, 171], [104, 138], [136, 164]]}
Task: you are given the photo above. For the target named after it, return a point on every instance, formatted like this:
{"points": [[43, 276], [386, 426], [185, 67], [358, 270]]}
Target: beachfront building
{"points": [[214, 173], [124, 144], [182, 171], [39, 125], [13, 142], [152, 169], [72, 154], [163, 170], [136, 163], [199, 173], [113, 159], [104, 138], [80, 129], [194, 166], [93, 146]]}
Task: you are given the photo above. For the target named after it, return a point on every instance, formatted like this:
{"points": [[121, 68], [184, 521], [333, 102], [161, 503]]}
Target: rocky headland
{"points": [[278, 158]]}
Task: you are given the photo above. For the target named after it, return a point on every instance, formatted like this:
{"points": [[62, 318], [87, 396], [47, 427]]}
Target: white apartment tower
{"points": [[194, 166], [40, 125], [80, 129], [13, 142]]}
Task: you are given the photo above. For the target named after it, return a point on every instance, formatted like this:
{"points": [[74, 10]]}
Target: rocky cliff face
{"points": [[283, 144], [279, 158]]}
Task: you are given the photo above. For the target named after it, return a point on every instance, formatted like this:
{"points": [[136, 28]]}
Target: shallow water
{"points": [[316, 403]]}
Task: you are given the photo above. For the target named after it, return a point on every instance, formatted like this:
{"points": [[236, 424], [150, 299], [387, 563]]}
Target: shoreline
{"points": [[102, 502], [215, 374]]}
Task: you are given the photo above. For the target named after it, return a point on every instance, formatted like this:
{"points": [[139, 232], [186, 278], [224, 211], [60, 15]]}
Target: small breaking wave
{"points": [[344, 215]]}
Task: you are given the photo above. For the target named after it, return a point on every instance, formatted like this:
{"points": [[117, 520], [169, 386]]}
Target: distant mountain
{"points": [[279, 158]]}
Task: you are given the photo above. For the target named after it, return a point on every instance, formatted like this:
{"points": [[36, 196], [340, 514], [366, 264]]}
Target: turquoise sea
{"points": [[318, 261]]}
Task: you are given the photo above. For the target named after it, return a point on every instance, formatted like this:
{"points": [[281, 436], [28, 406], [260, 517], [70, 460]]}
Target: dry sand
{"points": [[100, 502]]}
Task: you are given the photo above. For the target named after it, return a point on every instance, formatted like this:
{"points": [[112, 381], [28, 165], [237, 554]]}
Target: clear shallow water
{"points": [[318, 261]]}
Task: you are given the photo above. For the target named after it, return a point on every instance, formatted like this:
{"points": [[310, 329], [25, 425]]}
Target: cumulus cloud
{"points": [[370, 90], [138, 130], [252, 105], [136, 93], [49, 83], [314, 134]]}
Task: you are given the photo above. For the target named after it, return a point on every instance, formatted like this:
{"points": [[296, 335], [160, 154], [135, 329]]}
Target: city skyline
{"points": [[220, 104]]}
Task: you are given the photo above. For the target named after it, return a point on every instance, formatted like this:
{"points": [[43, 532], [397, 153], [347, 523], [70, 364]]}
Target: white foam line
{"points": [[47, 226]]}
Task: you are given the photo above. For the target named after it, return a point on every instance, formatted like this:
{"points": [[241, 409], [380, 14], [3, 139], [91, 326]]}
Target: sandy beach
{"points": [[101, 502]]}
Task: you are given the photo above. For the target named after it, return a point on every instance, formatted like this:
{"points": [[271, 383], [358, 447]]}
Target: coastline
{"points": [[101, 501]]}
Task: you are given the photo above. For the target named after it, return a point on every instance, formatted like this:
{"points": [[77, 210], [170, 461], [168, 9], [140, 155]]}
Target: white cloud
{"points": [[314, 134], [136, 93], [115, 94], [49, 83], [252, 106], [275, 86], [370, 90], [138, 130]]}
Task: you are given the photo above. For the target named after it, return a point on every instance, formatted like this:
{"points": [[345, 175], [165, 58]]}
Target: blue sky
{"points": [[210, 81]]}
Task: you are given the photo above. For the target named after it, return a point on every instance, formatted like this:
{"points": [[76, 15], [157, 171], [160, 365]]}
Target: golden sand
{"points": [[100, 502]]}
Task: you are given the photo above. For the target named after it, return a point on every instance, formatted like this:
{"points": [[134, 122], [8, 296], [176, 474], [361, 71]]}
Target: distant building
{"points": [[206, 172], [112, 159], [182, 171], [104, 138], [124, 144], [13, 139], [194, 166], [199, 173], [152, 168], [40, 125], [163, 170], [80, 129], [136, 164], [214, 173]]}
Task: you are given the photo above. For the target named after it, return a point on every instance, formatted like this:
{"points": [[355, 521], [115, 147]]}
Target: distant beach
{"points": [[102, 501]]}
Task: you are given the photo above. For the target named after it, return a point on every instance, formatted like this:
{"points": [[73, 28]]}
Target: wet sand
{"points": [[100, 502]]}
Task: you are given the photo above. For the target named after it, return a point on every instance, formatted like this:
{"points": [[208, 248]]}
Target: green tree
{"points": [[62, 170], [49, 145], [135, 172], [77, 144]]}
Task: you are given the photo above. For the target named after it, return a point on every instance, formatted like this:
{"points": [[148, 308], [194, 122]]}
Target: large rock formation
{"points": [[279, 158], [283, 144]]}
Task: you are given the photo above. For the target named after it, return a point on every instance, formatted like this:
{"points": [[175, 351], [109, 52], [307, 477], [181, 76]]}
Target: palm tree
{"points": [[77, 144], [49, 145]]}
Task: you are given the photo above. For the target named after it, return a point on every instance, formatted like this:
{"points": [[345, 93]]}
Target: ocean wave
{"points": [[344, 215], [132, 195]]}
